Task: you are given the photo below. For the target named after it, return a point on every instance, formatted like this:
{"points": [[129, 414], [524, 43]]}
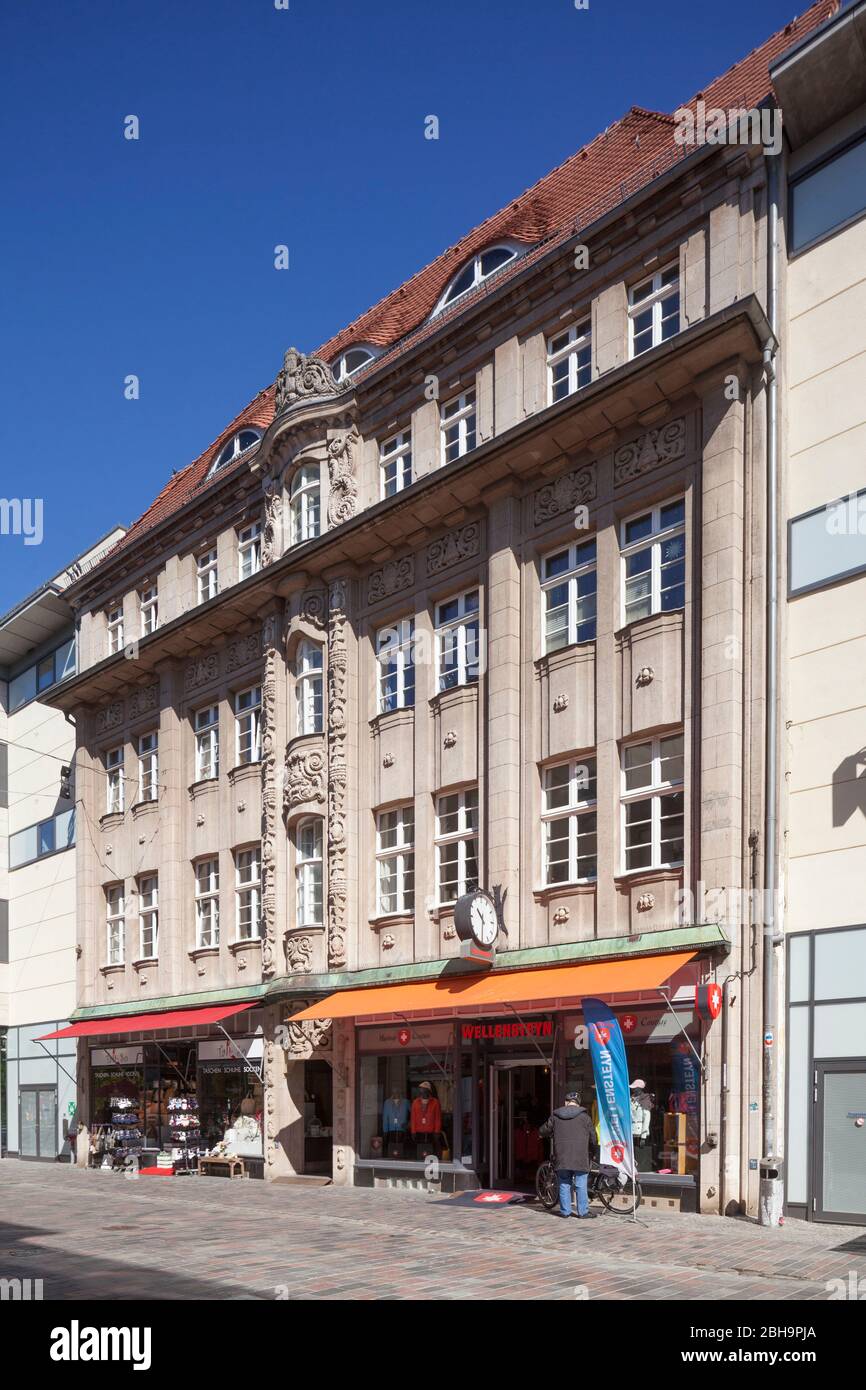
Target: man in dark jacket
{"points": [[574, 1146]]}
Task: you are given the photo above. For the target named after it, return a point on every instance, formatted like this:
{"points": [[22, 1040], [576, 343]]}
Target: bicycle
{"points": [[603, 1182]]}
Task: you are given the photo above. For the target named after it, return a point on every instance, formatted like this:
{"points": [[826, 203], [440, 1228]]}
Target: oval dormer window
{"points": [[480, 268], [351, 361], [234, 447]]}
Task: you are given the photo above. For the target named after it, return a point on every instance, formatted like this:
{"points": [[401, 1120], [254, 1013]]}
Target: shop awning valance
{"points": [[147, 1023], [465, 991]]}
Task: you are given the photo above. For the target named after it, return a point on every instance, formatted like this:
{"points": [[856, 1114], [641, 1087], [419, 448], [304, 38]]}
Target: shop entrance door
{"points": [[37, 1122], [840, 1142], [318, 1118], [520, 1101]]}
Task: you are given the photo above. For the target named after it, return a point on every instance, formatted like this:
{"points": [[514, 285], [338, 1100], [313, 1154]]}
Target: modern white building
{"points": [[37, 868]]}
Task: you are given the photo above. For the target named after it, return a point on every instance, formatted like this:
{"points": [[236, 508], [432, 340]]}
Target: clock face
{"points": [[482, 916]]}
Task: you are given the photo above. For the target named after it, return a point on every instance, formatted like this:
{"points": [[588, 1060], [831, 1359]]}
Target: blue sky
{"points": [[261, 126]]}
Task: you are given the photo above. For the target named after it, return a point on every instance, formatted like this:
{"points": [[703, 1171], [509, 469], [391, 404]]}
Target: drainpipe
{"points": [[771, 1191]]}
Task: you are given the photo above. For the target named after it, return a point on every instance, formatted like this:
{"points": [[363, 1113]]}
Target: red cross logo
{"points": [[629, 1023], [617, 1153], [602, 1034], [404, 1036]]}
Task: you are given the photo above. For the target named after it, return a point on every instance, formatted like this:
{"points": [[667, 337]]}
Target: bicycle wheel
{"points": [[624, 1201], [547, 1186]]}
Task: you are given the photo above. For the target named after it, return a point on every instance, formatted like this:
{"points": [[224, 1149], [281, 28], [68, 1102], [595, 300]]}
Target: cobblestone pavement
{"points": [[92, 1235]]}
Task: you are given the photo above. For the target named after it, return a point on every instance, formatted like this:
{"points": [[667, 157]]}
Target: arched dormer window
{"points": [[309, 687], [234, 447], [305, 504], [351, 361], [480, 268]]}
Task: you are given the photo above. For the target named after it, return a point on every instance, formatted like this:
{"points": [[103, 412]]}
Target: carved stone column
{"points": [[271, 707], [338, 766]]}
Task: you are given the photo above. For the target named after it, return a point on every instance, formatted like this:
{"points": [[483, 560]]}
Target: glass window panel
{"points": [[637, 762], [829, 196], [828, 543], [840, 968], [840, 1030], [798, 1103], [798, 969]]}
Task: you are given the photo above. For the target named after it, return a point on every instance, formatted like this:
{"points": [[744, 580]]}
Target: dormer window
{"points": [[480, 268], [234, 447], [351, 361]]}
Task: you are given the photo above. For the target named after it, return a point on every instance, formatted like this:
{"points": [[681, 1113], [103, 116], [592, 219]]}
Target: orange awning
{"points": [[501, 987]]}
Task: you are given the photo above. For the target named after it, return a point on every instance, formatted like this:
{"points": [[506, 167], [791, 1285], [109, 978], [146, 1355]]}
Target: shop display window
{"points": [[230, 1108], [407, 1106]]}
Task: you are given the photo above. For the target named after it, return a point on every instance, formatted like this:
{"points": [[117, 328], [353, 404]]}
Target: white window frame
{"points": [[226, 457], [654, 541], [207, 574], [249, 550], [463, 417], [148, 916], [581, 804], [207, 902], [395, 648], [659, 294], [653, 791], [248, 893], [206, 726], [309, 874], [309, 687], [148, 766], [115, 782], [248, 725], [148, 607], [115, 924], [398, 858], [449, 298], [305, 504], [578, 569], [462, 625], [463, 836], [339, 369], [114, 618], [395, 463], [578, 343]]}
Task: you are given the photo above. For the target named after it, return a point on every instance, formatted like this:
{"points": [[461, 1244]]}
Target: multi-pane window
{"points": [[148, 917], [305, 504], [308, 872], [114, 797], [207, 743], [59, 665], [115, 924], [207, 903], [456, 844], [248, 894], [457, 639], [569, 819], [309, 688], [568, 588], [249, 550], [458, 422], [395, 655], [149, 609], [654, 310], [652, 803], [654, 561], [115, 629], [569, 361], [477, 270], [248, 712], [148, 770], [207, 575], [395, 860], [395, 462]]}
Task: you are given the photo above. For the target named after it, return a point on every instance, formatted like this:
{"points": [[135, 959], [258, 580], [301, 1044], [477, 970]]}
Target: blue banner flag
{"points": [[610, 1070]]}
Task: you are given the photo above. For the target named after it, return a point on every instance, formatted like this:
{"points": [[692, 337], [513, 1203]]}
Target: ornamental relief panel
{"points": [[571, 490], [392, 578], [665, 444], [343, 494], [109, 717], [144, 699], [304, 777], [453, 547], [268, 638], [202, 671], [243, 651]]}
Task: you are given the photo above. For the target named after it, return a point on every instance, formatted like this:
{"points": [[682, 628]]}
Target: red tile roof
{"points": [[613, 166]]}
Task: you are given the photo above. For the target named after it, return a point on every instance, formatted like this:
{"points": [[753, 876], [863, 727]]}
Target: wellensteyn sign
{"points": [[533, 1028]]}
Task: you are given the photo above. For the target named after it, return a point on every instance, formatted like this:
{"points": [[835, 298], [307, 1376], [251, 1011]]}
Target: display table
{"points": [[225, 1165]]}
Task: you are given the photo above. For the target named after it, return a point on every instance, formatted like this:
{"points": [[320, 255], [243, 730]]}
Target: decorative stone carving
{"points": [[273, 1079], [645, 676], [110, 717], [309, 1036], [299, 953], [388, 941], [304, 777], [301, 377], [561, 916], [453, 547], [268, 638], [337, 772], [201, 671], [143, 699], [560, 703], [450, 738], [391, 578], [449, 932], [313, 607], [343, 493], [199, 820], [273, 490], [244, 650], [648, 451], [645, 902], [388, 760], [568, 491]]}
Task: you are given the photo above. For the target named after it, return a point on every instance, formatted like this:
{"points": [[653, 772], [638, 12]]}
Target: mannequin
{"points": [[395, 1122], [641, 1108], [425, 1120]]}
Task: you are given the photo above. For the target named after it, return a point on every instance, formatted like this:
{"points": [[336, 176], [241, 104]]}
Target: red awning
{"points": [[146, 1023]]}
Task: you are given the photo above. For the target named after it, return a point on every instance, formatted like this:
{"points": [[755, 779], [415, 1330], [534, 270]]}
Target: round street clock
{"points": [[476, 918]]}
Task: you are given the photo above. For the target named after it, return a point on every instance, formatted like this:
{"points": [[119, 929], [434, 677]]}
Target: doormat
{"points": [[484, 1200]]}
